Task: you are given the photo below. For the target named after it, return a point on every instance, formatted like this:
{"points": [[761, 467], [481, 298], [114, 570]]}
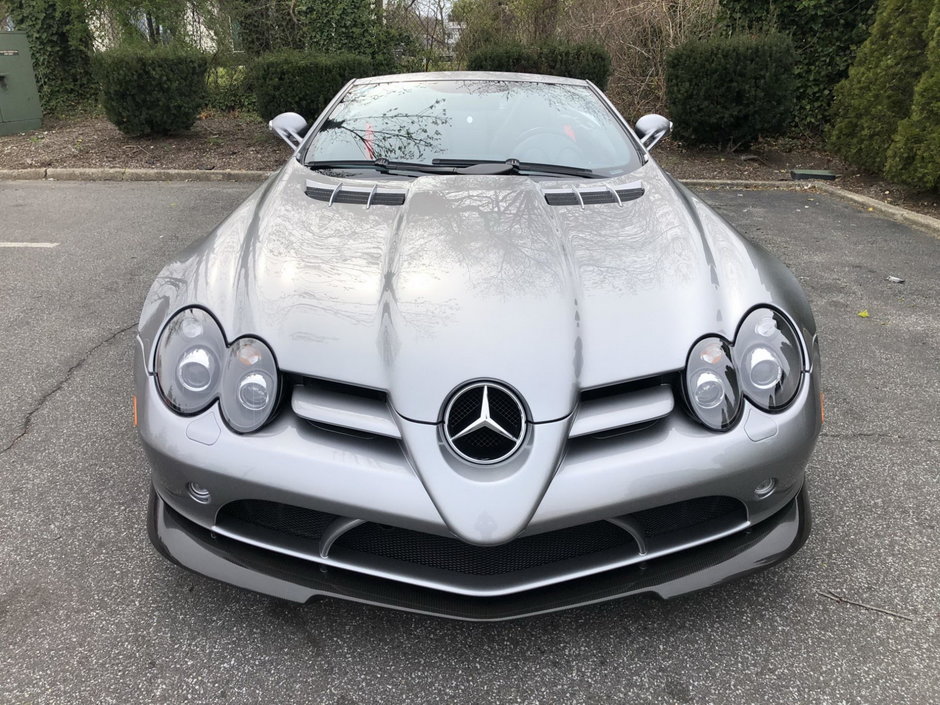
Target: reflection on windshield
{"points": [[475, 120]]}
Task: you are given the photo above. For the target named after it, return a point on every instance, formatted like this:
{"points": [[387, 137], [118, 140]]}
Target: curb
{"points": [[750, 185], [902, 215], [923, 222], [132, 175]]}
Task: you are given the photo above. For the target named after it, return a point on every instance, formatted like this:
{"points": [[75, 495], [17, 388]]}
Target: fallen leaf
{"points": [[863, 314]]}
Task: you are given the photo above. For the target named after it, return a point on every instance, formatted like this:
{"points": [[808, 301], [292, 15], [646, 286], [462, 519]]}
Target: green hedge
{"points": [[299, 82], [151, 90], [826, 35], [729, 91], [914, 156], [586, 60], [879, 91]]}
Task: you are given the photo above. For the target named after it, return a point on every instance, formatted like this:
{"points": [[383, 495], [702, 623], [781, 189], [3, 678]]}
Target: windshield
{"points": [[472, 121]]}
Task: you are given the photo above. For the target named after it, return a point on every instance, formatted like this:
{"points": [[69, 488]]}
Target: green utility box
{"points": [[19, 99]]}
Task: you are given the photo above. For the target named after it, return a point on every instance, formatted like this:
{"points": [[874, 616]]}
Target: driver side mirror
{"points": [[290, 127], [652, 129]]}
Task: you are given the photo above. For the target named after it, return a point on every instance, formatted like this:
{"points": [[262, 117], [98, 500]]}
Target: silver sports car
{"points": [[472, 353]]}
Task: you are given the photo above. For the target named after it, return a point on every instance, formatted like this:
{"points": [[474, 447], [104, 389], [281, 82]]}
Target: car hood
{"points": [[474, 277]]}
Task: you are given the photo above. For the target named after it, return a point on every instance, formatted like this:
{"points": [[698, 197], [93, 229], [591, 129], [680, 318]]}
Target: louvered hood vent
{"points": [[593, 195], [361, 195]]}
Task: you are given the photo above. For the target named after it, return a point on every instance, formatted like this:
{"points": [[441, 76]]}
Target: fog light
{"points": [[766, 488], [198, 492]]}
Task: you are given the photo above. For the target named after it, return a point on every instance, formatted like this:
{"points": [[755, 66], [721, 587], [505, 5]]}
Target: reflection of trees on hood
{"points": [[394, 134]]}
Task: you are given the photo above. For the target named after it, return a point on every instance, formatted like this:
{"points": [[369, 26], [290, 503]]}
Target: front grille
{"points": [[458, 557], [662, 527], [283, 518], [620, 389]]}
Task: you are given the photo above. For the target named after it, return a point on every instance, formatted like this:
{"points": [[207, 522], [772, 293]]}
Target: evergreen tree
{"points": [[879, 89], [914, 156]]}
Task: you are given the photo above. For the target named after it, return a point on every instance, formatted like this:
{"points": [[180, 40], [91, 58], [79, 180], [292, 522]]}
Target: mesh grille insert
{"points": [[284, 518], [681, 516], [456, 556]]}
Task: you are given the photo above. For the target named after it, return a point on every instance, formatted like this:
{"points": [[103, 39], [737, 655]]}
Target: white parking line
{"points": [[29, 244]]}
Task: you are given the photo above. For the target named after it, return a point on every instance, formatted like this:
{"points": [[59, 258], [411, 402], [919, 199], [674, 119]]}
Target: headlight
{"points": [[764, 364], [249, 384], [712, 384], [188, 362], [768, 356], [195, 367]]}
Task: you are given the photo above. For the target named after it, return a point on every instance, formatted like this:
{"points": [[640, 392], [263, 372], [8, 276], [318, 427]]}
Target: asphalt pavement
{"points": [[89, 613]]}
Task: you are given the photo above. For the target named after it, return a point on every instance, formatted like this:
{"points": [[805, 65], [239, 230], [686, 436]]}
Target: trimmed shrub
{"points": [[294, 81], [879, 90], [513, 58], [826, 34], [914, 156], [589, 61], [729, 91], [583, 60], [151, 90]]}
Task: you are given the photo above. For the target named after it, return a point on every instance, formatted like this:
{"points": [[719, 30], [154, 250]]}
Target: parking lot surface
{"points": [[89, 613]]}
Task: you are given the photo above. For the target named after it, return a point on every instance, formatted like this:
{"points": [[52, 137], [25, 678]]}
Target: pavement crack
{"points": [[876, 434], [27, 422]]}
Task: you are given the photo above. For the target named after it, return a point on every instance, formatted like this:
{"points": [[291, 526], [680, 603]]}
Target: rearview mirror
{"points": [[290, 127], [652, 128]]}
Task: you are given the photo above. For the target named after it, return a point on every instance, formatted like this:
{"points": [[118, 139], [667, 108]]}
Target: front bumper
{"points": [[293, 463], [747, 551]]}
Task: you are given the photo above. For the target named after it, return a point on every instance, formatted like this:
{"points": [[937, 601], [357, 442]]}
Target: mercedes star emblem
{"points": [[484, 423]]}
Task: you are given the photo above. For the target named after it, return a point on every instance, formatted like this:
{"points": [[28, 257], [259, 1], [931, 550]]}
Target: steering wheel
{"points": [[549, 145]]}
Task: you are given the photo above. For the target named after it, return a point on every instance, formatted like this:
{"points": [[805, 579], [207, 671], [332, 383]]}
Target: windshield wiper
{"points": [[382, 165], [511, 166], [469, 167]]}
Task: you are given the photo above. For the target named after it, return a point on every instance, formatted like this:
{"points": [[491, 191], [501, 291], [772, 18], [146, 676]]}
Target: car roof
{"points": [[470, 76]]}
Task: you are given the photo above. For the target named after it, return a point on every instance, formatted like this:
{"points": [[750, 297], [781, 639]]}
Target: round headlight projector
{"points": [[708, 390], [764, 365], [253, 391], [195, 367]]}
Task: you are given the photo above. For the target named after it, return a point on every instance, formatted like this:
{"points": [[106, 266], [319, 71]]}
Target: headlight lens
{"points": [[767, 352], [712, 383], [249, 384], [187, 363], [195, 367]]}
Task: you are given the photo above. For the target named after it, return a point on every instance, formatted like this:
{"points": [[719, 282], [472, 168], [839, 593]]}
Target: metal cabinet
{"points": [[19, 99]]}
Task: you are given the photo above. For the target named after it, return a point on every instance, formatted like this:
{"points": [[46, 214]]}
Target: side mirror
{"points": [[290, 127], [652, 129]]}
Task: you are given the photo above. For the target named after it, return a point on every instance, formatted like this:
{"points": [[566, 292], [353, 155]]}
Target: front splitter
{"points": [[757, 548]]}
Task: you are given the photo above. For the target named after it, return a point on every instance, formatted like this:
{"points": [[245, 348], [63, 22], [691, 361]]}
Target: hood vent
{"points": [[359, 195], [593, 195]]}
